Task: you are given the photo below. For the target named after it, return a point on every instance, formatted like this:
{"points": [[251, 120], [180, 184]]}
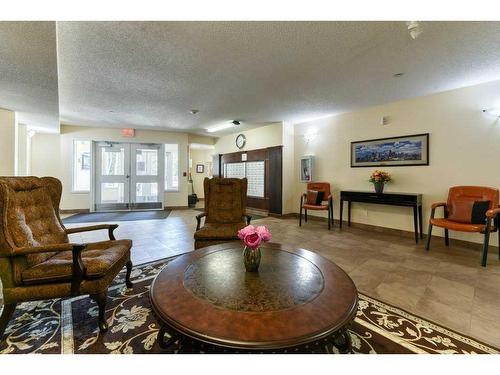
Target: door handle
{"points": [[127, 176]]}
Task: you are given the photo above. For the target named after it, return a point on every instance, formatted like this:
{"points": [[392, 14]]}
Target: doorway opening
{"points": [[128, 176]]}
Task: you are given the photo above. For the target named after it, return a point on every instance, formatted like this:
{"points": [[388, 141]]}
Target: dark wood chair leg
{"points": [[446, 238], [127, 277], [429, 235], [484, 252], [329, 220], [305, 215], [300, 216], [100, 299], [331, 212], [7, 312]]}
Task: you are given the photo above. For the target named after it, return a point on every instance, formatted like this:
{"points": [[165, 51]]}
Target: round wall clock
{"points": [[240, 141]]}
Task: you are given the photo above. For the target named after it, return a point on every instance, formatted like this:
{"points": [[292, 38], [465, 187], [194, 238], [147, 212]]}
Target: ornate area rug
{"points": [[70, 326]]}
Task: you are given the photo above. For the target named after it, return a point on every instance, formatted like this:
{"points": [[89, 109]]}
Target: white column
{"points": [[22, 160], [7, 142]]}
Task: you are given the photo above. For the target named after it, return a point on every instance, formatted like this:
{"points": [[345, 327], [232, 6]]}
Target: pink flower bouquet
{"points": [[253, 236]]}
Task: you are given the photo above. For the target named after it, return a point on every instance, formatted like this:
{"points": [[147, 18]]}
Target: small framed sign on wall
{"points": [[306, 168], [200, 168]]}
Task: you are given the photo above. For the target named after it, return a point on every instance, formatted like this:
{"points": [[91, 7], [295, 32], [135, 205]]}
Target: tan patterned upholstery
{"points": [[36, 259], [225, 211], [98, 257]]}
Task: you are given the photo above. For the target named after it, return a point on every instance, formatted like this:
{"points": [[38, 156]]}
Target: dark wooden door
{"points": [[275, 180]]}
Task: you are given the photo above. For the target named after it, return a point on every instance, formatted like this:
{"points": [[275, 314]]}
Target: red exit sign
{"points": [[128, 132]]}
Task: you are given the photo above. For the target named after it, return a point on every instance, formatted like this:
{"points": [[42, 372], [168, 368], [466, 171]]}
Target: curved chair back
{"points": [[320, 186], [225, 199], [462, 198], [29, 212]]}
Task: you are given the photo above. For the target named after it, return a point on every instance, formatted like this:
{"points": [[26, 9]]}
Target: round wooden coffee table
{"points": [[296, 299]]}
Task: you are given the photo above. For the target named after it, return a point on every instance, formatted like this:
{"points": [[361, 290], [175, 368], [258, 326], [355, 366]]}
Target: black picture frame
{"points": [[376, 161], [200, 168]]}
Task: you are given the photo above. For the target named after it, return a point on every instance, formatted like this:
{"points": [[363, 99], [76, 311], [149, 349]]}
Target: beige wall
{"points": [[22, 149], [46, 155], [265, 136], [200, 157], [288, 168], [7, 142], [195, 138], [463, 150], [52, 155]]}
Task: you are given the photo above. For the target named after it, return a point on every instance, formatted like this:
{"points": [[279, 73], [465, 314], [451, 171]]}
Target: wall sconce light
{"points": [[493, 112], [310, 136]]}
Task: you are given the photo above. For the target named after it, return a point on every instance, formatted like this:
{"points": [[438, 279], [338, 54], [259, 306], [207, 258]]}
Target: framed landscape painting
{"points": [[393, 152]]}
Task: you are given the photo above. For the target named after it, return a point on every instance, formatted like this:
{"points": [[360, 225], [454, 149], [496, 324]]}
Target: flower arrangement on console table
{"points": [[379, 179], [252, 238]]}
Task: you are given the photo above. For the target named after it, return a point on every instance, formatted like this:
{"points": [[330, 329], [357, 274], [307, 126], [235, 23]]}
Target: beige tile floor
{"points": [[445, 285]]}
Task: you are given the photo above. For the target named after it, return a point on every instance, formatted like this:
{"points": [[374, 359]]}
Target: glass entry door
{"points": [[128, 176], [146, 178]]}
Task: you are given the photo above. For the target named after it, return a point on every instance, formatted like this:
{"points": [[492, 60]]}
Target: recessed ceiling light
{"points": [[493, 112], [414, 29], [194, 111], [397, 75]]}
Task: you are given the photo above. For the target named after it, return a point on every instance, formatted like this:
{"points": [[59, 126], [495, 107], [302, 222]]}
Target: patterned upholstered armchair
{"points": [[37, 261], [225, 211]]}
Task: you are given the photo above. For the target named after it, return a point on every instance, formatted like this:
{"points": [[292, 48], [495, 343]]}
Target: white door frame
{"points": [[136, 178], [129, 178]]}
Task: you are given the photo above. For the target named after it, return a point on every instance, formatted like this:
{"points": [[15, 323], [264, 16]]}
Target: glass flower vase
{"points": [[379, 187], [251, 258]]}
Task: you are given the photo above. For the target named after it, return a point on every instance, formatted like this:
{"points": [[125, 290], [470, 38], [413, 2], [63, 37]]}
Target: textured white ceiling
{"points": [[28, 73], [150, 74]]}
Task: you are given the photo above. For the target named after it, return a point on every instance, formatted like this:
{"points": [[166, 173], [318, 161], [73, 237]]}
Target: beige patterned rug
{"points": [[70, 326]]}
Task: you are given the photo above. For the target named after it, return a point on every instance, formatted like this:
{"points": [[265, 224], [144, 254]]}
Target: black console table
{"points": [[394, 199]]}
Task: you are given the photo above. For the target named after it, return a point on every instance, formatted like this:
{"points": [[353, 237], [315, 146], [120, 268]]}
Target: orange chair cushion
{"points": [[461, 209], [315, 207], [320, 186], [461, 227], [314, 197]]}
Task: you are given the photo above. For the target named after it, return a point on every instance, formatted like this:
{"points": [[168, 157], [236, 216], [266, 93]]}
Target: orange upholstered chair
{"points": [[471, 209], [314, 199]]}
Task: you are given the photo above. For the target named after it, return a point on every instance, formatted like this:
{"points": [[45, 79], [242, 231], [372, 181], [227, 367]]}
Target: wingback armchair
{"points": [[318, 198], [225, 211], [37, 261], [472, 209]]}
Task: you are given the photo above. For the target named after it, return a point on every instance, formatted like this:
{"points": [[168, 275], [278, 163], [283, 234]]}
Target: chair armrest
{"points": [[109, 227], [248, 219], [438, 204], [79, 269], [492, 213], [198, 220], [22, 251]]}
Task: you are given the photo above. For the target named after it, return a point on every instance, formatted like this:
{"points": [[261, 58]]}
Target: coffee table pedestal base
{"points": [[169, 340]]}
